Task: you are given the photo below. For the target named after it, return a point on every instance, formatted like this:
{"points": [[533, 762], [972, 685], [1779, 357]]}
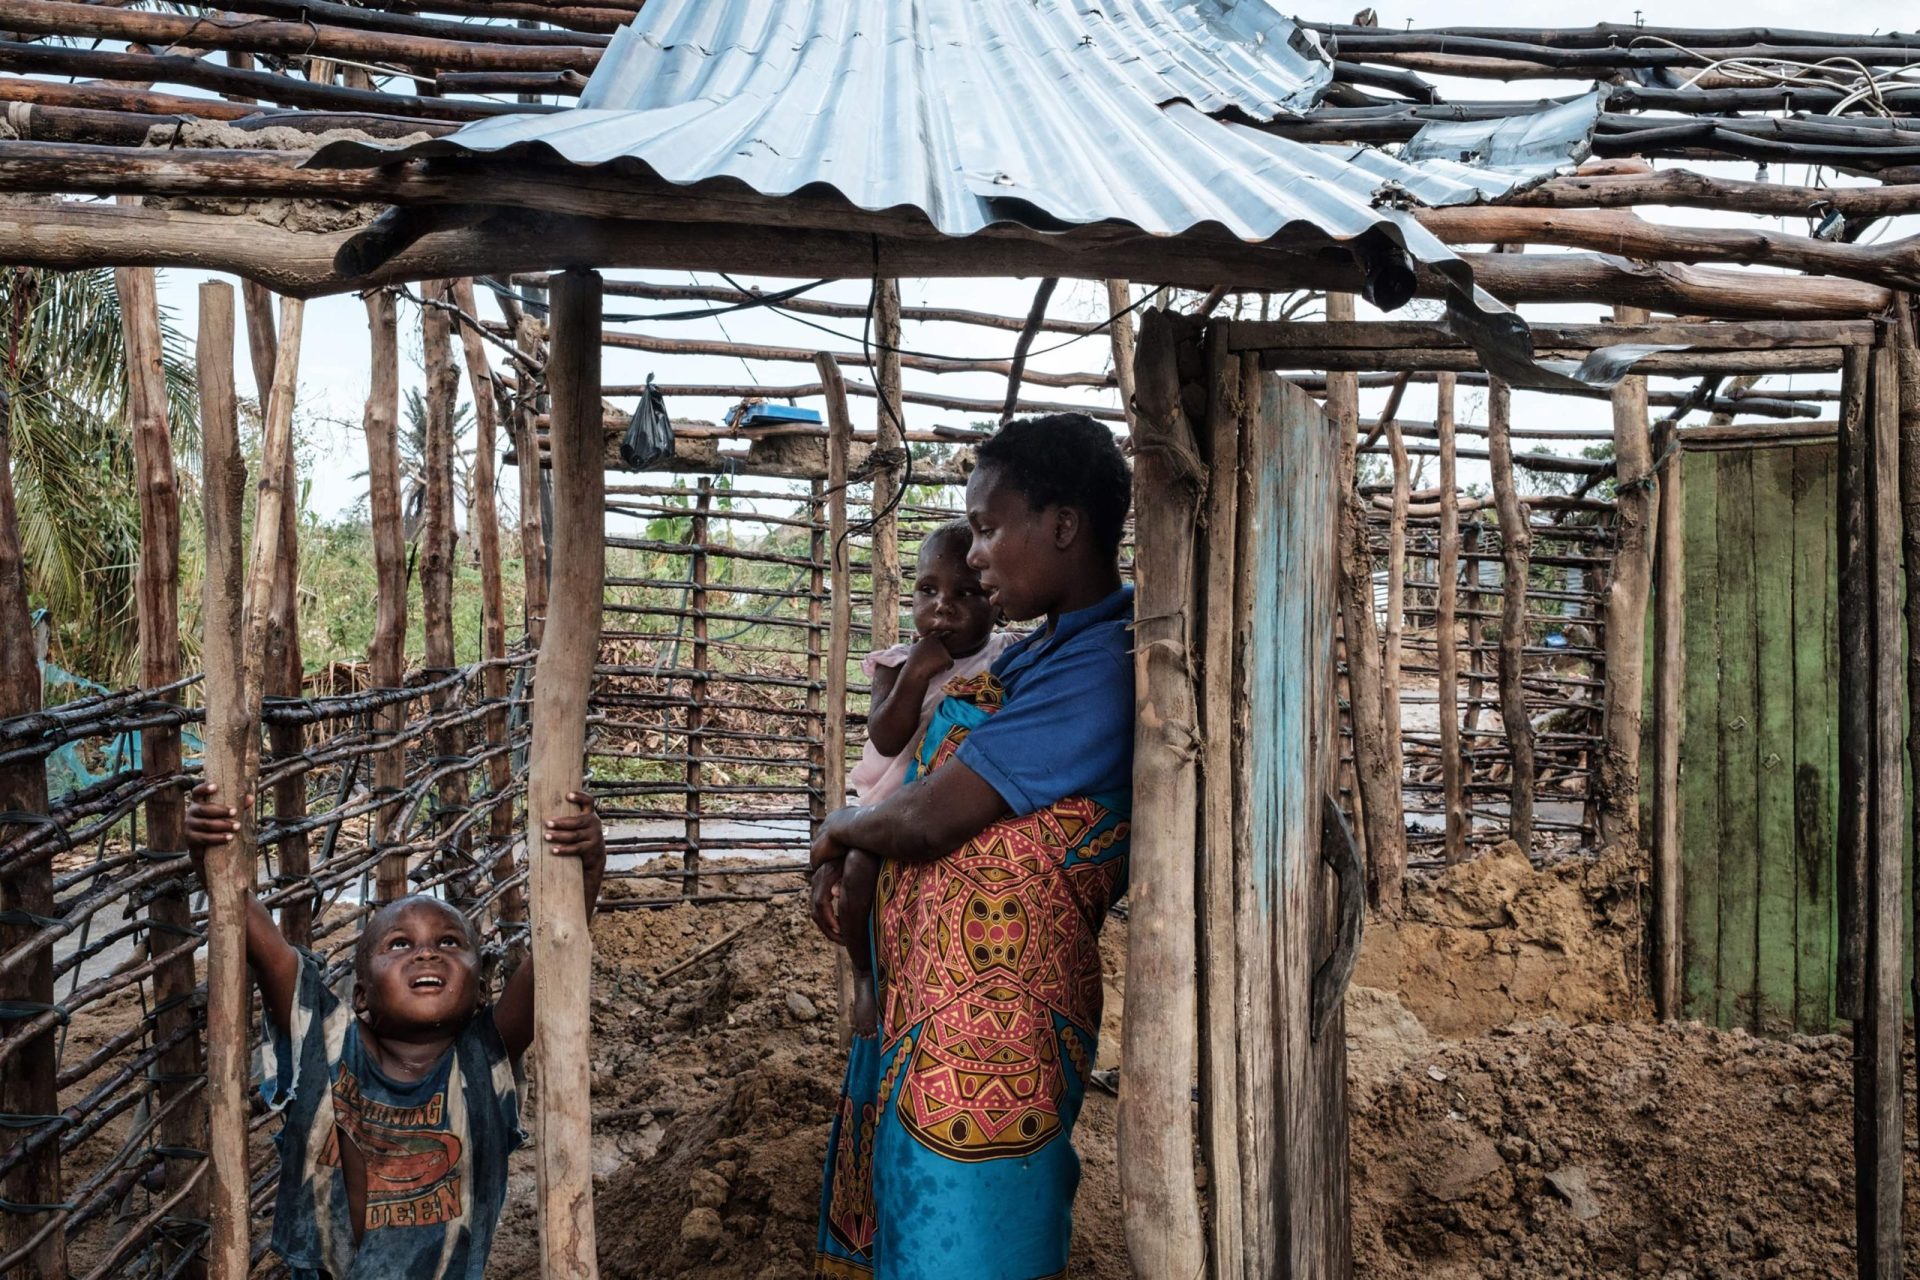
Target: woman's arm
{"points": [[575, 836], [899, 692], [275, 964]]}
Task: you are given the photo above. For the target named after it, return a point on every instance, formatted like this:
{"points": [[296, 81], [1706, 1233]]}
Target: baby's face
{"points": [[421, 973], [948, 600]]}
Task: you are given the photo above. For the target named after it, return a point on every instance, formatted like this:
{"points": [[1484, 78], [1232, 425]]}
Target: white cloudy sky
{"points": [[333, 377]]}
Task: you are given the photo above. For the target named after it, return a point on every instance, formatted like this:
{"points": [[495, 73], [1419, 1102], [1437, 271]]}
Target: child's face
{"points": [[421, 971], [948, 600]]}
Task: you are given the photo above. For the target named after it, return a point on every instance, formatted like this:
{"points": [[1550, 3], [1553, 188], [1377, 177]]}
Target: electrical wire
{"points": [[703, 313]]}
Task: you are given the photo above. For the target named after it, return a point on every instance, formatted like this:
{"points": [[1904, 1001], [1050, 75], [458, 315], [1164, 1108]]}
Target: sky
{"points": [[334, 364]]}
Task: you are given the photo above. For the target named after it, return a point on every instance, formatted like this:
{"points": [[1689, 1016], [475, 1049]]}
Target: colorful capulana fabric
{"points": [[435, 1149], [951, 1154]]}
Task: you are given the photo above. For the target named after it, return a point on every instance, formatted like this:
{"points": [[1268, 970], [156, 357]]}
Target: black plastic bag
{"points": [[649, 437]]}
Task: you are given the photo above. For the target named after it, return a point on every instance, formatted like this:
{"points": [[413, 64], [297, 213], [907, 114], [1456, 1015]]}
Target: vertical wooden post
{"points": [[284, 671], [27, 1086], [1376, 782], [817, 807], [1120, 332], [533, 537], [1445, 626], [1873, 579], [562, 947], [1625, 625], [436, 571], [510, 907], [839, 630], [1036, 315], [697, 701], [386, 654], [1222, 1114], [889, 435], [1669, 711], [1907, 367], [1516, 558], [1158, 1198], [231, 748], [1395, 640], [157, 592]]}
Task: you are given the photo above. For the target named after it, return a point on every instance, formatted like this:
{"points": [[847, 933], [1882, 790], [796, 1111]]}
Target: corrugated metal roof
{"points": [[1051, 114], [1516, 148]]}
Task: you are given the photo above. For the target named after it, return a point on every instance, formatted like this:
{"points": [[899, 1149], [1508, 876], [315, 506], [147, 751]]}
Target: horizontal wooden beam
{"points": [[1684, 189], [1671, 364], [298, 38], [1363, 335], [70, 234]]}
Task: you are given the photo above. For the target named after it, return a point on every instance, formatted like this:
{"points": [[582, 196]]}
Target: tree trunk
{"points": [[562, 946]]}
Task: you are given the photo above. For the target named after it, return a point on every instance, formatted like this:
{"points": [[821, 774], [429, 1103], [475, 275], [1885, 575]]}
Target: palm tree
{"points": [[63, 374]]}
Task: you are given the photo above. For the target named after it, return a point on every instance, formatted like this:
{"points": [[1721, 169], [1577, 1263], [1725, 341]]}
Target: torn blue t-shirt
{"points": [[435, 1149]]}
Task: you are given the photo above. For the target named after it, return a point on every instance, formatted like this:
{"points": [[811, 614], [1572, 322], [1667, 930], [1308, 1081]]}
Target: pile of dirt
{"points": [[1621, 1150], [1495, 941], [713, 1093]]}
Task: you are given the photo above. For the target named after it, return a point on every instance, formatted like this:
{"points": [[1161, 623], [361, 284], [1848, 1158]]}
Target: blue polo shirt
{"points": [[1066, 728]]}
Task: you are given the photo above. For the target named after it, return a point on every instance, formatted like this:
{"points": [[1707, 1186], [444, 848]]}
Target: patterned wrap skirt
{"points": [[951, 1153]]}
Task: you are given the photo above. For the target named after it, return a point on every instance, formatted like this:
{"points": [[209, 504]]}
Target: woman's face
{"points": [[1019, 552]]}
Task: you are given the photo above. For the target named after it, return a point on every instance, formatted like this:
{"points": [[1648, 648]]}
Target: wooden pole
{"points": [[816, 659], [386, 653], [1516, 555], [510, 907], [1878, 1107], [562, 947], [285, 674], [1376, 783], [1856, 706], [697, 695], [889, 431], [1669, 712], [1445, 628], [1120, 332], [1222, 1115], [1157, 1157], [839, 632], [1907, 365], [1036, 315], [157, 592], [232, 747], [528, 337], [1617, 776], [1395, 640], [436, 571], [27, 1086]]}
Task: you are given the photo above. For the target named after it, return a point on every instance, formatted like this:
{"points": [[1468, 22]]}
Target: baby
{"points": [[400, 1108], [956, 639]]}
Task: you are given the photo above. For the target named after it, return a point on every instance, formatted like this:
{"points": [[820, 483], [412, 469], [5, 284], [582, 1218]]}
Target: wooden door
{"points": [[1274, 1083]]}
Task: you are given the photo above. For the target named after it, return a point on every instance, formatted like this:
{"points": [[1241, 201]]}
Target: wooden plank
{"points": [[1221, 1103], [232, 748], [1739, 828], [1669, 713], [1773, 533], [1813, 703], [561, 946], [1158, 1197]]}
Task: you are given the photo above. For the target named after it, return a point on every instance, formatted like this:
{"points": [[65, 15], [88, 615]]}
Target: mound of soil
{"points": [[1494, 941], [1617, 1150]]}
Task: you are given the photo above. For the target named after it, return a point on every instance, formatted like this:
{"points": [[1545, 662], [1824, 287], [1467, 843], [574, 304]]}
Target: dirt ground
{"points": [[1491, 1136]]}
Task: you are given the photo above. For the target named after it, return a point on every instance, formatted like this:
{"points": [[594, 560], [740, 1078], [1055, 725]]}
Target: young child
{"points": [[401, 1107], [954, 622]]}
